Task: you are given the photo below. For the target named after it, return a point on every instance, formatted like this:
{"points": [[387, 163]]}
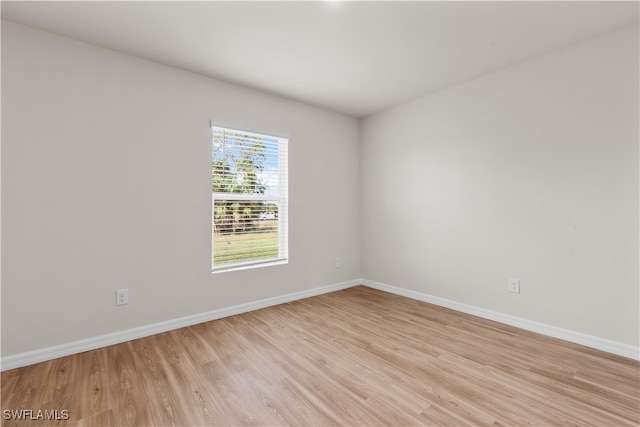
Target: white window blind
{"points": [[249, 199]]}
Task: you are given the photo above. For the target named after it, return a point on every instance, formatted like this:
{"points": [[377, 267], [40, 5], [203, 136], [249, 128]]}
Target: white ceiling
{"points": [[356, 57]]}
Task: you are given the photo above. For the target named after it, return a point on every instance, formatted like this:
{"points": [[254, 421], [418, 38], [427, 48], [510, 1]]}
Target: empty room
{"points": [[322, 213]]}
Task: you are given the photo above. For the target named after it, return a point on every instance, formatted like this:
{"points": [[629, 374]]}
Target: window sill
{"points": [[249, 266]]}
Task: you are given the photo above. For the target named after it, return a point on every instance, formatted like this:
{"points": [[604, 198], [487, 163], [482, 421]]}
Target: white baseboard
{"points": [[49, 353], [603, 344]]}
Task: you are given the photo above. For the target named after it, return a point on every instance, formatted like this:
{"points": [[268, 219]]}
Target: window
{"points": [[249, 203]]}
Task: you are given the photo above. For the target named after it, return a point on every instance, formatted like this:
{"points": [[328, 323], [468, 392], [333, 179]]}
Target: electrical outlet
{"points": [[514, 285], [338, 262], [122, 297]]}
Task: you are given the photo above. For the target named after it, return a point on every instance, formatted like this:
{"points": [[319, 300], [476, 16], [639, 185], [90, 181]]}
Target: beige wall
{"points": [[106, 185], [532, 173]]}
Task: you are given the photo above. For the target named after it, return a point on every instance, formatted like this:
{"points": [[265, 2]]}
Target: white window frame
{"points": [[282, 198]]}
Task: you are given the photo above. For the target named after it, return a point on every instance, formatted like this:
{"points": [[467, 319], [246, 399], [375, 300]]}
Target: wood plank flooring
{"points": [[357, 357]]}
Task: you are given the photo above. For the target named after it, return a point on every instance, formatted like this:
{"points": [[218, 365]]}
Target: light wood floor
{"points": [[356, 357]]}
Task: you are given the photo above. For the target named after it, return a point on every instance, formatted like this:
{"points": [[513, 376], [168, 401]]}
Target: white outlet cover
{"points": [[514, 285], [122, 297]]}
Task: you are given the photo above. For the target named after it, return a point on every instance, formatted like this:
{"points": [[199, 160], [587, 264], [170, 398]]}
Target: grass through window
{"points": [[260, 243]]}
